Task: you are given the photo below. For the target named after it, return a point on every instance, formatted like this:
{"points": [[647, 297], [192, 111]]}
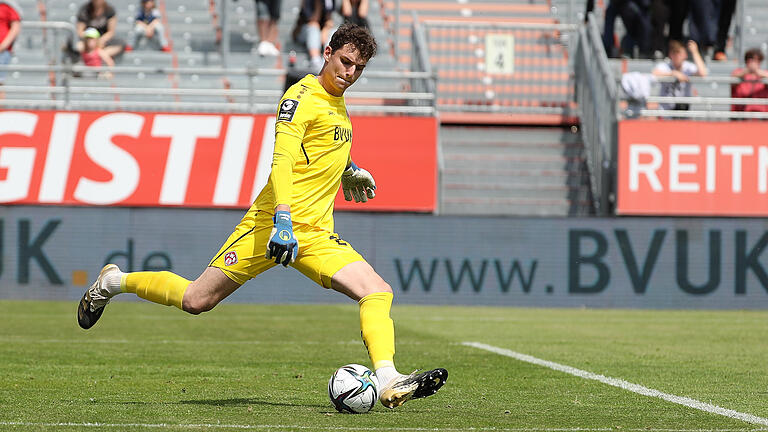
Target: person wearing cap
{"points": [[93, 54], [148, 24]]}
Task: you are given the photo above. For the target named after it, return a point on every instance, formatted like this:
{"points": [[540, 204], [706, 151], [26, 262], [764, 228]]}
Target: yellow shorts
{"points": [[321, 253]]}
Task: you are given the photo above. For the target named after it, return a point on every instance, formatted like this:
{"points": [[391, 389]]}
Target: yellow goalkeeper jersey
{"points": [[313, 137]]}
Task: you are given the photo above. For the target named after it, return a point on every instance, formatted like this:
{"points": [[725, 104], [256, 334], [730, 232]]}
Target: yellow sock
{"points": [[164, 287], [377, 328]]}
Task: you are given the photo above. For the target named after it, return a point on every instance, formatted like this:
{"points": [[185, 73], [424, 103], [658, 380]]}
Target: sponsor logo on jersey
{"points": [[342, 134], [230, 258], [287, 110]]}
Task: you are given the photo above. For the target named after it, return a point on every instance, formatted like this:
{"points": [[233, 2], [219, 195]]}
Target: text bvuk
{"points": [[594, 261]]}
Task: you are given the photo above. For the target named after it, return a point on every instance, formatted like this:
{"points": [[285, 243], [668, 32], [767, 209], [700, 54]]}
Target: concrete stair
{"points": [[512, 171], [755, 27]]}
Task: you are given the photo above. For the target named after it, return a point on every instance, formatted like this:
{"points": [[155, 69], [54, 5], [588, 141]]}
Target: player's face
{"points": [[343, 67]]}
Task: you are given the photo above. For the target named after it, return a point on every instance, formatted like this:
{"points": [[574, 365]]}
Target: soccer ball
{"points": [[354, 389]]}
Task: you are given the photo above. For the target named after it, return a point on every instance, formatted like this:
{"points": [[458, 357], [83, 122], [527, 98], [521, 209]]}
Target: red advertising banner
{"points": [[193, 160], [692, 168]]}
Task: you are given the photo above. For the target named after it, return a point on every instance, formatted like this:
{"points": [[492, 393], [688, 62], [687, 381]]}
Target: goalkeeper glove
{"points": [[357, 183], [282, 245]]}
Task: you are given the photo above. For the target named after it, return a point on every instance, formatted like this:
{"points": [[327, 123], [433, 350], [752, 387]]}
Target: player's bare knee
{"points": [[385, 287], [196, 305], [378, 287]]}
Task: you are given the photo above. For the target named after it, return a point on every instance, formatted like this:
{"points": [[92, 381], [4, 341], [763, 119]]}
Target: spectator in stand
{"points": [[678, 12], [727, 7], [355, 12], [10, 26], [660, 15], [702, 23], [751, 85], [93, 55], [635, 14], [314, 27], [267, 16], [148, 24], [681, 69], [101, 16]]}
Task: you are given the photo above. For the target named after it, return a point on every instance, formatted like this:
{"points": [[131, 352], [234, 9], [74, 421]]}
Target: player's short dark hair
{"points": [[356, 35], [754, 53]]}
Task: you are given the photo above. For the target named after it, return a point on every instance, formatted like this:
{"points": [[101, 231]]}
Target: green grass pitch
{"points": [[266, 367]]}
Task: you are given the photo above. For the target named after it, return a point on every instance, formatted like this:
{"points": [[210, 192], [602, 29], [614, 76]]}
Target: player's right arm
{"points": [[282, 245], [289, 134], [287, 153]]}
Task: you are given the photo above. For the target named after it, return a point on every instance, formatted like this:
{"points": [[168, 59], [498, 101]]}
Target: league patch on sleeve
{"points": [[287, 110]]}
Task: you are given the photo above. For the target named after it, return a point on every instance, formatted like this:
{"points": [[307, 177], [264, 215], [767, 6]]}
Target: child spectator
{"points": [[267, 15], [751, 85], [10, 25], [93, 55], [148, 24], [679, 67]]}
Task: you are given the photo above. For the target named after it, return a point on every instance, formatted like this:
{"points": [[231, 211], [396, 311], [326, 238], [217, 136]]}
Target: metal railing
{"points": [[78, 87], [60, 32], [420, 61], [597, 97], [700, 107]]}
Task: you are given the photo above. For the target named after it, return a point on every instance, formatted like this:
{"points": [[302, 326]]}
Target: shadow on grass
{"points": [[233, 402], [246, 402]]}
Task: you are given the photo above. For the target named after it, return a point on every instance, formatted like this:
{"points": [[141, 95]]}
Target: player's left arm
{"points": [[357, 183]]}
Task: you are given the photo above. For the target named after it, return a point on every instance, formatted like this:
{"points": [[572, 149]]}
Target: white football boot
{"points": [[414, 386], [95, 299]]}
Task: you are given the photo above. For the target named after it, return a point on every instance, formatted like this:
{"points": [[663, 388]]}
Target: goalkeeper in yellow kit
{"points": [[291, 222]]}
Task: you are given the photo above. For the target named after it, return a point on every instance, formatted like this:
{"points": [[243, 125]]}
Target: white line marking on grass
{"points": [[343, 428], [626, 385]]}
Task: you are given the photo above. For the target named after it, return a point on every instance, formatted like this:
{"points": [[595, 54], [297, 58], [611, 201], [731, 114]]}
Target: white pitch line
{"points": [[626, 385], [344, 428]]}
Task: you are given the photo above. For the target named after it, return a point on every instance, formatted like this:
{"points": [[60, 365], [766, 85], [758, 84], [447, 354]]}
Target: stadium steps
{"points": [[512, 171], [560, 9], [540, 91], [755, 27], [193, 28]]}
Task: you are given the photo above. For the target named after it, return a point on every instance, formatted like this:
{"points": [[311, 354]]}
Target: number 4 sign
{"points": [[499, 54]]}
